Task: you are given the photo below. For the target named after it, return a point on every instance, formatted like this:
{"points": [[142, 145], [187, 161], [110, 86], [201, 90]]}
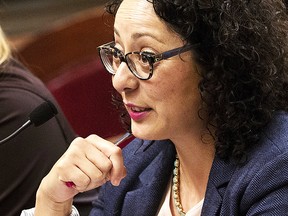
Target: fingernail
{"points": [[116, 182], [70, 184]]}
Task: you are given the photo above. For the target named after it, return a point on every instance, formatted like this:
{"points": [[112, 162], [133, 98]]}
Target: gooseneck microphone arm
{"points": [[15, 133], [38, 116]]}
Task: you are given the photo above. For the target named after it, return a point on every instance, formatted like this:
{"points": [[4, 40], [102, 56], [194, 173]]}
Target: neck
{"points": [[196, 160]]}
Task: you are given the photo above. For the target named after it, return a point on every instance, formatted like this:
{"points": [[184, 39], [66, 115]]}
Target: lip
{"points": [[135, 113]]}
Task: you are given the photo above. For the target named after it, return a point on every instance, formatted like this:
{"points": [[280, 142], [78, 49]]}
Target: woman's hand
{"points": [[88, 163]]}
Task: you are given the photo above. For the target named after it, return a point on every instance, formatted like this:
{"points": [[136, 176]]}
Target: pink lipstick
{"points": [[137, 113]]}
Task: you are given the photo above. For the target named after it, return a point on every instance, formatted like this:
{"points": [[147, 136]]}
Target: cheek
{"points": [[177, 92], [176, 81], [162, 91]]}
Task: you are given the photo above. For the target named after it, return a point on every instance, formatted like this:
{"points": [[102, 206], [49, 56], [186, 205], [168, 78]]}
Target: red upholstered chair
{"points": [[84, 93]]}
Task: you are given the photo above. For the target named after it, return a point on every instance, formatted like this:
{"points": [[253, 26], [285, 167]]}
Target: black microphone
{"points": [[38, 116]]}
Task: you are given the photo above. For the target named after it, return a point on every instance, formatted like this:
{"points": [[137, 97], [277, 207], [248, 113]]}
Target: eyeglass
{"points": [[141, 64]]}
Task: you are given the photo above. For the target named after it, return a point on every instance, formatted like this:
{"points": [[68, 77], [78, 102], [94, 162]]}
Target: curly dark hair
{"points": [[243, 52]]}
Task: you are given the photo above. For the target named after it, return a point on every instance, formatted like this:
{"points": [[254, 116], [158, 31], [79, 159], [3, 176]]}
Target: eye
{"points": [[116, 53], [146, 57], [115, 57], [108, 51]]}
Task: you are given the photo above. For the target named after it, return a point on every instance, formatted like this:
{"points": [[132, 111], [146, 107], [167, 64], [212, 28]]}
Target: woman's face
{"points": [[166, 106]]}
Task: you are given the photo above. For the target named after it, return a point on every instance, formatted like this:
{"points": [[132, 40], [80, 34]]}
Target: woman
{"points": [[27, 158], [4, 48], [207, 81]]}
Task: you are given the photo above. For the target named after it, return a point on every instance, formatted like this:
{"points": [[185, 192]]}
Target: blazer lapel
{"points": [[152, 183], [220, 175], [148, 171]]}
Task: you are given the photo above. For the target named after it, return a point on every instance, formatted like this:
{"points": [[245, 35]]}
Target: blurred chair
{"points": [[84, 93]]}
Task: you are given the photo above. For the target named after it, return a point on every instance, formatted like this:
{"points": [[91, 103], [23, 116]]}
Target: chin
{"points": [[142, 135], [146, 135]]}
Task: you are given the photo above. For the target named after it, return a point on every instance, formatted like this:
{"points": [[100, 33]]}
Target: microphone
{"points": [[38, 116]]}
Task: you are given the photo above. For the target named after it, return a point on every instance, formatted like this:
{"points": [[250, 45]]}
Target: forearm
{"points": [[45, 206]]}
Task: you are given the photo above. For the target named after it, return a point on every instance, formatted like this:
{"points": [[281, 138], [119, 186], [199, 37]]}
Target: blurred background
{"points": [[18, 17], [57, 40]]}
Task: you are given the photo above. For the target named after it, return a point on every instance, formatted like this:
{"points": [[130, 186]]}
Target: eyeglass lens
{"points": [[138, 63]]}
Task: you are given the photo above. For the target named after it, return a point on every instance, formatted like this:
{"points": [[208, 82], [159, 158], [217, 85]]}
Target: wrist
{"points": [[46, 206]]}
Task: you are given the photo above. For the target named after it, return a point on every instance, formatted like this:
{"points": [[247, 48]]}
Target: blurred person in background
{"points": [[27, 158]]}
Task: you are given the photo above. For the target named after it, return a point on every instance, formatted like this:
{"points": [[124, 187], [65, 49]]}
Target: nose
{"points": [[124, 80]]}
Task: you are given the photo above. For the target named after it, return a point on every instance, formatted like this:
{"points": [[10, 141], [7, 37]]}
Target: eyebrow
{"points": [[139, 35]]}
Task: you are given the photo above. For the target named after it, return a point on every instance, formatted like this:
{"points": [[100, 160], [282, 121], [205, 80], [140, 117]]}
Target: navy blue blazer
{"points": [[260, 187]]}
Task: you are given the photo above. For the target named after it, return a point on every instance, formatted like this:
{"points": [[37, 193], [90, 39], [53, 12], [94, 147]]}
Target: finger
{"points": [[103, 145], [85, 176], [97, 173], [118, 171], [114, 154], [99, 159], [84, 165]]}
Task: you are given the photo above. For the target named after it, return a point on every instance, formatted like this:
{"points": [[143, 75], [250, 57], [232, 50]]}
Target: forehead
{"points": [[138, 16], [131, 9]]}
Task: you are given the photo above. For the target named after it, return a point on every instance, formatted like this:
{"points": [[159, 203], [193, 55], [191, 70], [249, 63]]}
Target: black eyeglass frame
{"points": [[151, 57]]}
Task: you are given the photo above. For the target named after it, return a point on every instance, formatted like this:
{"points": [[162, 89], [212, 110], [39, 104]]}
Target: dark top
{"points": [[259, 187], [27, 158]]}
